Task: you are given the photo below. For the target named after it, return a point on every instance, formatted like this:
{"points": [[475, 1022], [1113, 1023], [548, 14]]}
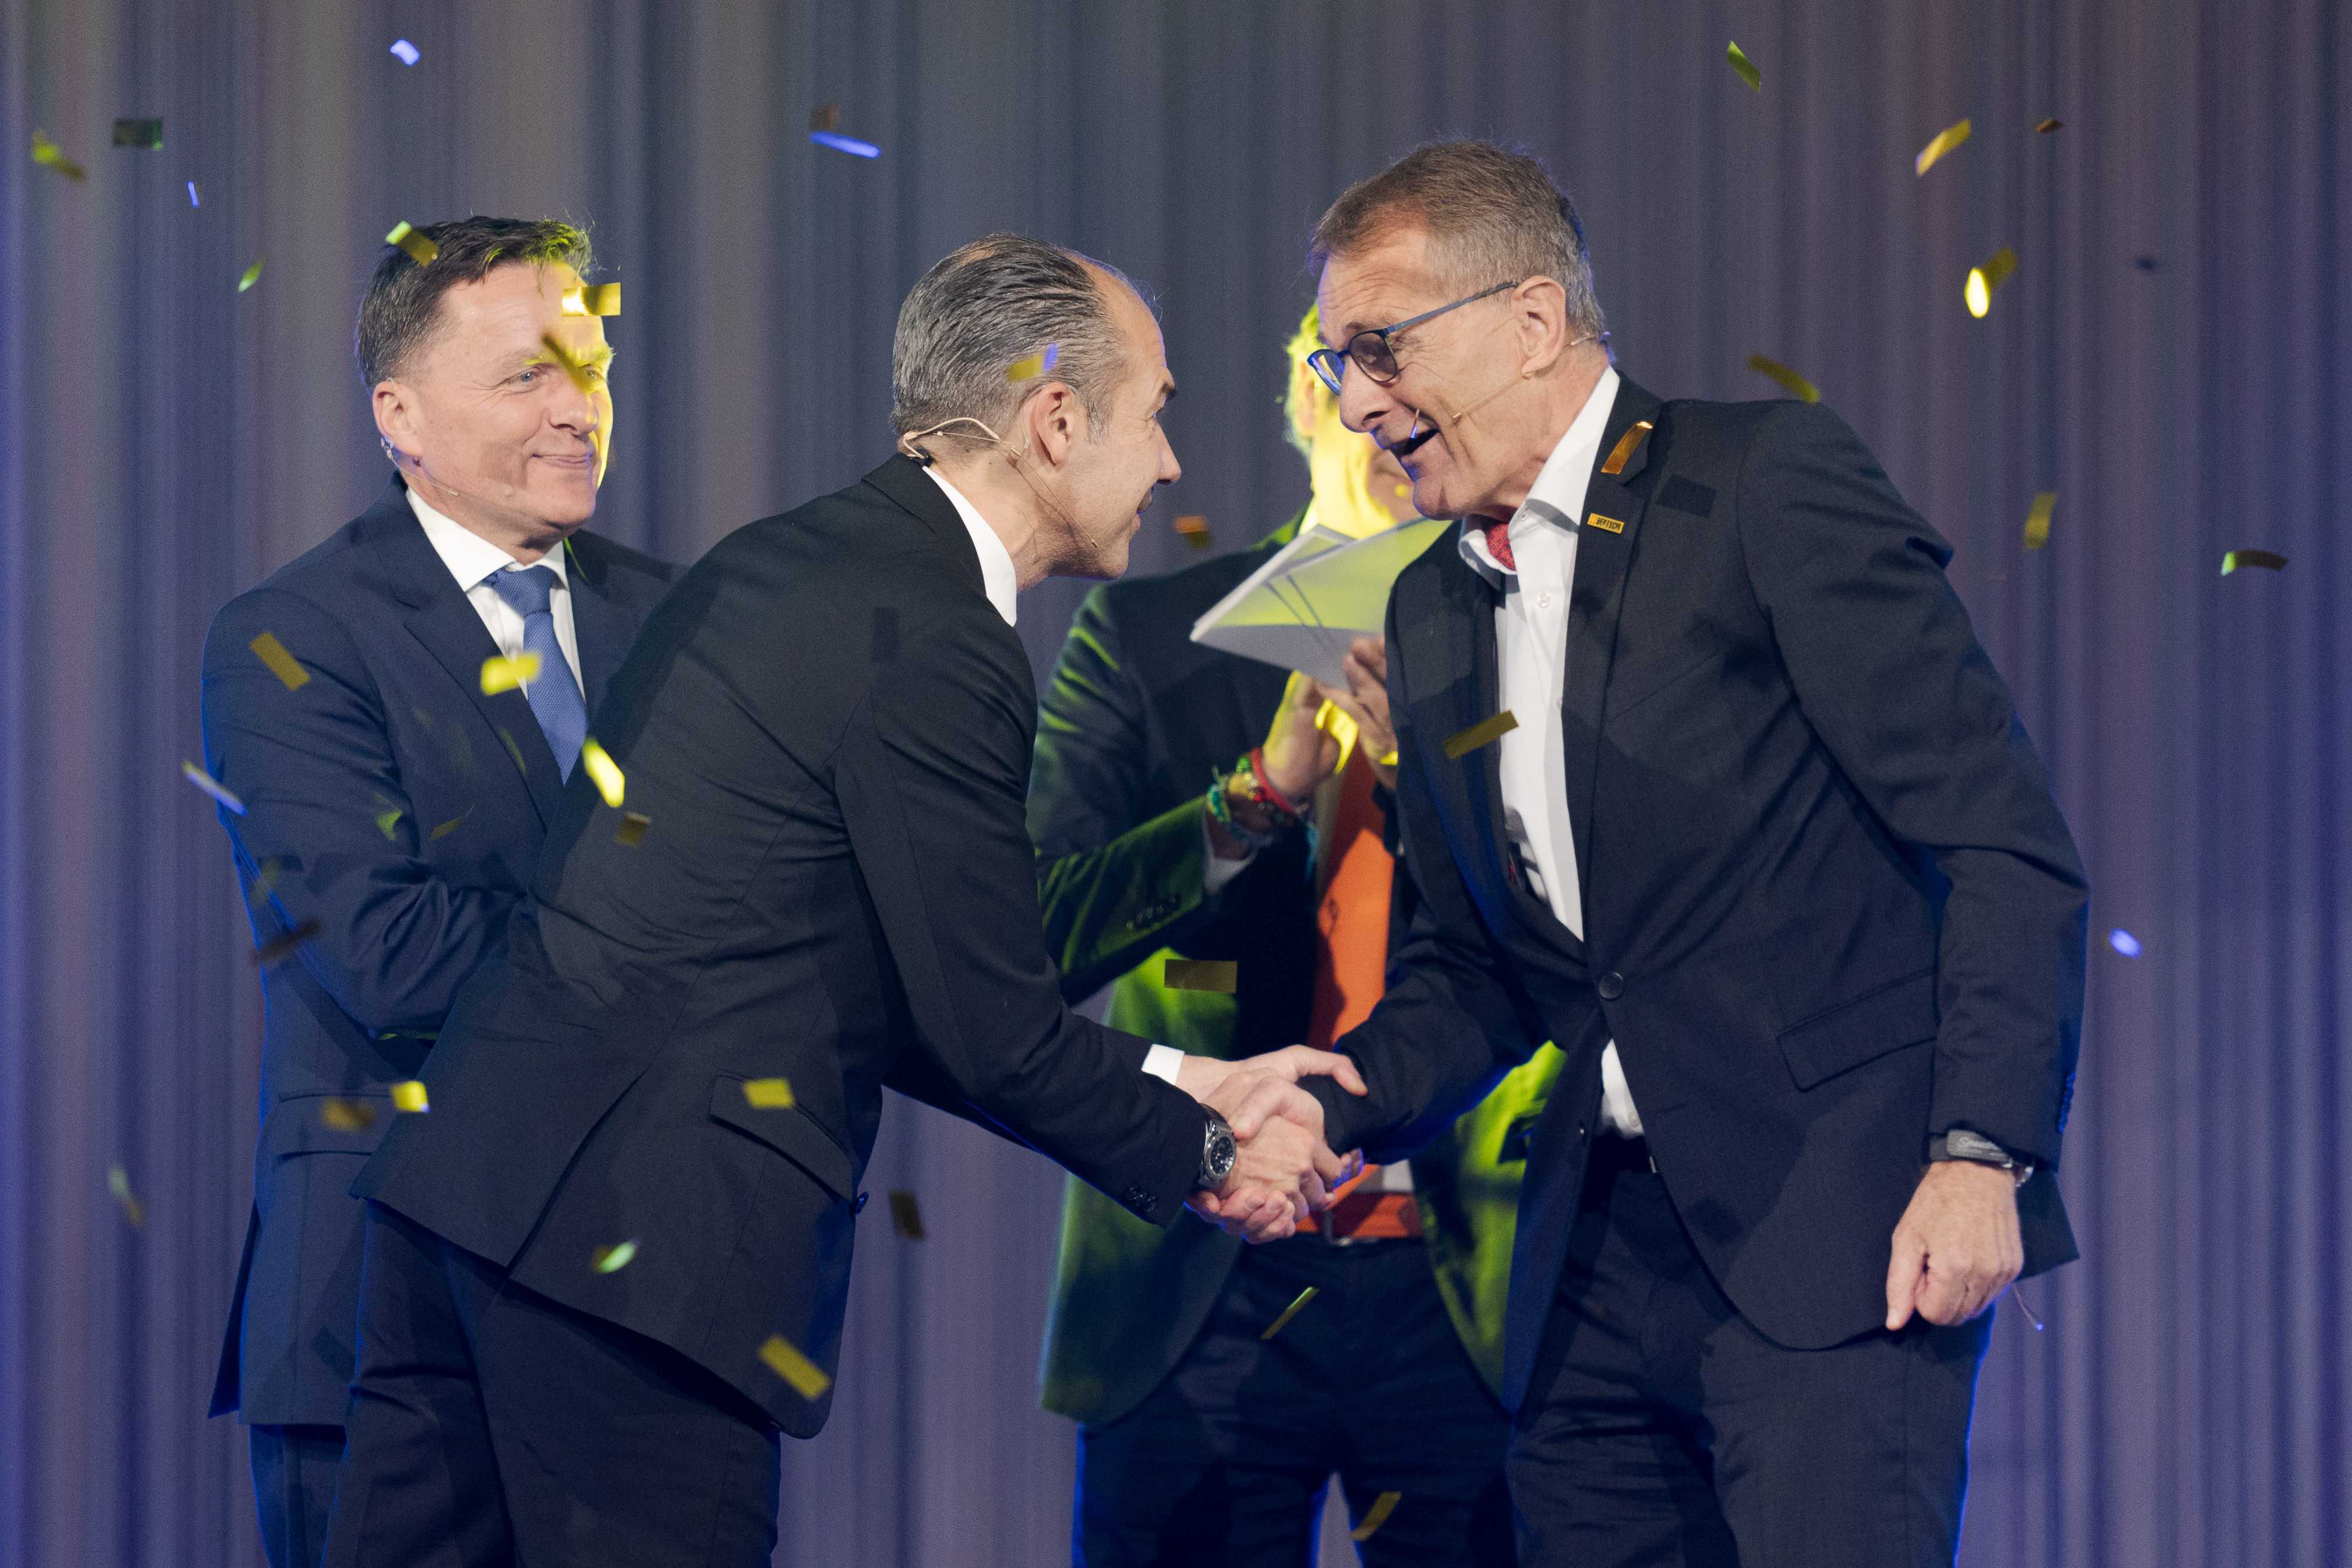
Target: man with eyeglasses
{"points": [[1704, 775]]}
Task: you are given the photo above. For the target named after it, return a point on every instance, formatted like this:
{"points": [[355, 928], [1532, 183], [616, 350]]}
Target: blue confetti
{"points": [[406, 51], [2124, 942], [849, 145], [192, 194]]}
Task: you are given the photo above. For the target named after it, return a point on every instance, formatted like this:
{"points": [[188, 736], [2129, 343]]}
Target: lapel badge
{"points": [[1606, 525]]}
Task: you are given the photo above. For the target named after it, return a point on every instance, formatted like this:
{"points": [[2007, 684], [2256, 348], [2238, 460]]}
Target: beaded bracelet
{"points": [[1262, 790], [1221, 812]]}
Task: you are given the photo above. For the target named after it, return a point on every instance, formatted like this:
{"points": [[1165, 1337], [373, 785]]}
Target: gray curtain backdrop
{"points": [[2170, 357]]}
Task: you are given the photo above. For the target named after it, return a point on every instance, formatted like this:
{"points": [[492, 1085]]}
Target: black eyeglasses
{"points": [[1371, 350]]}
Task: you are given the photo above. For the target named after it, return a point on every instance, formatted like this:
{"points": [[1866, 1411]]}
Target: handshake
{"points": [[1283, 1169]]}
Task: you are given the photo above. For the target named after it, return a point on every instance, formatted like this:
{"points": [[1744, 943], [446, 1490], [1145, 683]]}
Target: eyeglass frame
{"points": [[1343, 357]]}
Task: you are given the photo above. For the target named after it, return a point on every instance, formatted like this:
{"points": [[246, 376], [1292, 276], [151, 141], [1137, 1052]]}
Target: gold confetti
{"points": [[252, 276], [603, 771], [1377, 1515], [906, 1215], [2047, 126], [593, 299], [421, 250], [2261, 558], [1291, 1311], [2037, 520], [768, 1093], [632, 831], [283, 665], [146, 134], [825, 117], [500, 673], [211, 786], [1747, 69], [1031, 366], [1194, 530], [266, 880], [449, 827], [1333, 721], [118, 1182], [613, 1259], [347, 1116], [1218, 975], [1797, 385], [409, 1095], [386, 817], [784, 1359], [1487, 731], [1951, 136], [574, 366], [1623, 453], [1983, 281], [49, 155], [513, 750], [278, 947]]}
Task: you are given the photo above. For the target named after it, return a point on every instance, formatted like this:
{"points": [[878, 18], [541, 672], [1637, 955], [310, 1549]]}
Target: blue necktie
{"points": [[555, 699]]}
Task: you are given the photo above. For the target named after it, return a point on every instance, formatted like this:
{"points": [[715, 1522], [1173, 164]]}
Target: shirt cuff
{"points": [[1162, 1061], [1215, 873]]}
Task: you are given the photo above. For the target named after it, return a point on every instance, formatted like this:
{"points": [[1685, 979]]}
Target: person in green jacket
{"points": [[1215, 1394]]}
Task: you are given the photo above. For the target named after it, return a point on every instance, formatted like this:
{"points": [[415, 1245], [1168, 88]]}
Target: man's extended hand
{"points": [[1282, 1169], [1957, 1245]]}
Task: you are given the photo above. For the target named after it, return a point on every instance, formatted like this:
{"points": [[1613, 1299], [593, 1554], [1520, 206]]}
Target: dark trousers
{"points": [[293, 1488], [1224, 1464], [1661, 1429], [489, 1424]]}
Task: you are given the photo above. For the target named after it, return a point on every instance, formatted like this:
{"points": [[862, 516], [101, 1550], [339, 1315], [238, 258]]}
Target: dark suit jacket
{"points": [[829, 730], [1136, 717], [400, 811], [1831, 909]]}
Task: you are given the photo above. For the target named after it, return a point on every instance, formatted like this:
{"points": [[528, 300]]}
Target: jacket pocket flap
{"points": [[1888, 1018], [790, 1131], [328, 1123]]}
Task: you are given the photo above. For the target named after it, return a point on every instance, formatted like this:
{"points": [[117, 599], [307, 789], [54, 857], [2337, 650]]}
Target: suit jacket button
{"points": [[1613, 986], [859, 1207]]}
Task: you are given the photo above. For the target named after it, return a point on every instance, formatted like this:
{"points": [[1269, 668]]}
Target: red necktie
{"points": [[1498, 544]]}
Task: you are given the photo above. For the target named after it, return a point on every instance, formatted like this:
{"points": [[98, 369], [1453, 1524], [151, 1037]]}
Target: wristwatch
{"points": [[1960, 1143], [1218, 1151]]}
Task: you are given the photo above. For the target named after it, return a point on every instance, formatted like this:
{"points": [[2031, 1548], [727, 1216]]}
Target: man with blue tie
{"points": [[396, 712]]}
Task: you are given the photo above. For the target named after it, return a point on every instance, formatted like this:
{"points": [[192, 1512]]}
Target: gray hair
{"points": [[1493, 215], [986, 307]]}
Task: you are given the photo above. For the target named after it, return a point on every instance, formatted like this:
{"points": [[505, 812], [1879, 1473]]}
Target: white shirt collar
{"points": [[1557, 497], [471, 558], [996, 574]]}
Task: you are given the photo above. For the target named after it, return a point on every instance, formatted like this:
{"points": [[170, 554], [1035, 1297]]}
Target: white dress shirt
{"points": [[997, 578], [473, 560], [1531, 662], [1002, 585]]}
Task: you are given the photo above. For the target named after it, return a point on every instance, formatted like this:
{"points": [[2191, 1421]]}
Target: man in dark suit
{"points": [[1200, 1439], [611, 1262], [1768, 853], [393, 797]]}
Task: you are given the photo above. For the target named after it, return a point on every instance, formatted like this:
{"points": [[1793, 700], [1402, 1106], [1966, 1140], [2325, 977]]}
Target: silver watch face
{"points": [[1217, 1153]]}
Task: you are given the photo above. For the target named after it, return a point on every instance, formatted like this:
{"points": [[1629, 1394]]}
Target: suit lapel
{"points": [[1604, 550], [445, 622], [1460, 637], [601, 629]]}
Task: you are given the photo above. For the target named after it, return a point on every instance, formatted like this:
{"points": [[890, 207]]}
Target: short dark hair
{"points": [[986, 307], [403, 300], [1493, 215]]}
